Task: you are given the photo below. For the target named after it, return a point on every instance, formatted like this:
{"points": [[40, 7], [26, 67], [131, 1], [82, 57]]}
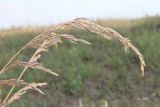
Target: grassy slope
{"points": [[94, 73]]}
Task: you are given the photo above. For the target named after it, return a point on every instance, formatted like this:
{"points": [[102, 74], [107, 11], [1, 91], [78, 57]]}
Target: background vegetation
{"points": [[92, 72]]}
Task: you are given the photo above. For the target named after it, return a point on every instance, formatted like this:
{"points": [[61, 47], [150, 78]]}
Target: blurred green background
{"points": [[94, 73]]}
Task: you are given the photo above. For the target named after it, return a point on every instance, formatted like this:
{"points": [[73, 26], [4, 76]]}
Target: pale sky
{"points": [[44, 12]]}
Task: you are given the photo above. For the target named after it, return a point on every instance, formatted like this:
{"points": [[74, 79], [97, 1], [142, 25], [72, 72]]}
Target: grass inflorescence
{"points": [[50, 38]]}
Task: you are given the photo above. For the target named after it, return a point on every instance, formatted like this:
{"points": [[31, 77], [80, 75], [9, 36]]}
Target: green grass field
{"points": [[97, 72]]}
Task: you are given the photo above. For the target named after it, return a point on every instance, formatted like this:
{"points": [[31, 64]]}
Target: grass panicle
{"points": [[49, 38]]}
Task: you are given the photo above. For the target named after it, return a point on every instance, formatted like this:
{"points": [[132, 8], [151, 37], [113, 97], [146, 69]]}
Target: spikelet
{"points": [[36, 65], [33, 65], [73, 39], [50, 40], [11, 82], [31, 86]]}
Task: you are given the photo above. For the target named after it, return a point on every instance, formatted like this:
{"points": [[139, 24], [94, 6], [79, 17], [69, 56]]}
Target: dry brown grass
{"points": [[49, 38]]}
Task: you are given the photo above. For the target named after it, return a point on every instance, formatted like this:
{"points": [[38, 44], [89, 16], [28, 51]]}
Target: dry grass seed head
{"points": [[11, 82], [50, 38], [31, 86], [108, 33], [33, 65], [73, 39]]}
